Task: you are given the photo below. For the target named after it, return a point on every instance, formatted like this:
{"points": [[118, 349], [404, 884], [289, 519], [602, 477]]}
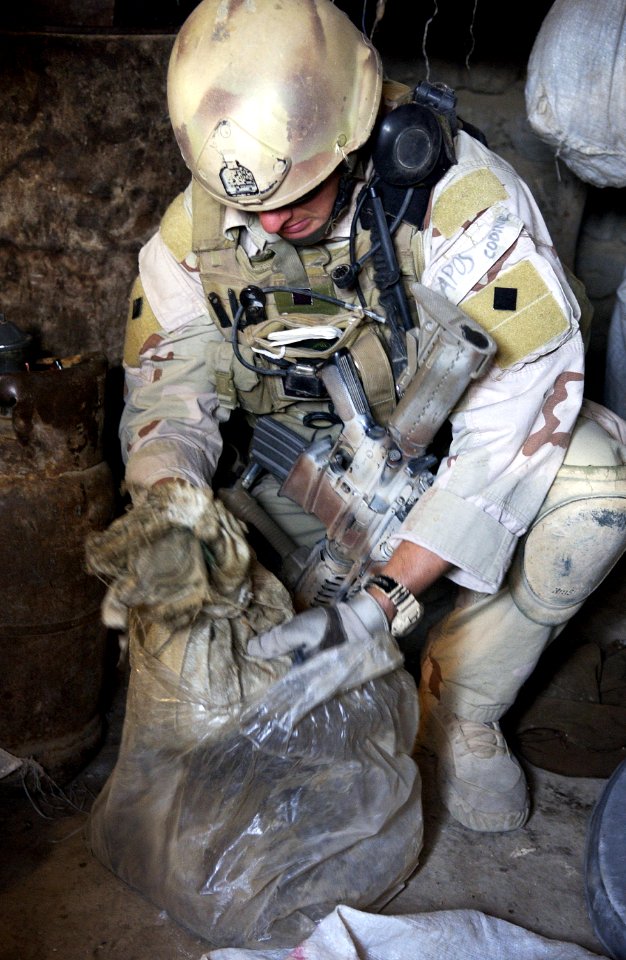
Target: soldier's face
{"points": [[306, 215]]}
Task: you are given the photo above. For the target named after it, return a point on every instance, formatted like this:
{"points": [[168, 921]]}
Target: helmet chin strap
{"points": [[345, 190], [313, 238]]}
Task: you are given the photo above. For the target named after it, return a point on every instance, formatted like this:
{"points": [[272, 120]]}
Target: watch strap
{"points": [[409, 610]]}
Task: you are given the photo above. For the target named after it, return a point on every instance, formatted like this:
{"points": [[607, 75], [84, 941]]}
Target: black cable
{"points": [[357, 265], [363, 19], [392, 229], [352, 243], [245, 363]]}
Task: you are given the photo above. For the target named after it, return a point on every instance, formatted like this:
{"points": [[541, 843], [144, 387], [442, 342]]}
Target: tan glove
{"points": [[176, 550]]}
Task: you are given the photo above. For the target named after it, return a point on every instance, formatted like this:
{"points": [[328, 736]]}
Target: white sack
{"points": [[576, 88], [347, 934]]}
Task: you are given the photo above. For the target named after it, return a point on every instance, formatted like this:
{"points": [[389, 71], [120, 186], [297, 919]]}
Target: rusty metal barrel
{"points": [[55, 488]]}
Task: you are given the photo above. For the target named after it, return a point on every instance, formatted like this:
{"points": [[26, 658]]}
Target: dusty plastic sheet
{"points": [[576, 88], [348, 934], [250, 798]]}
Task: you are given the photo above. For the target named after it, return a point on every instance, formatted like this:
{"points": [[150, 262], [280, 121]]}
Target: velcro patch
{"points": [[464, 199], [141, 324], [535, 319], [176, 228], [504, 298], [307, 304]]}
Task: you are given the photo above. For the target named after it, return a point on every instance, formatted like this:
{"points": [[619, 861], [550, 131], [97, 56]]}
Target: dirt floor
{"points": [[57, 901]]}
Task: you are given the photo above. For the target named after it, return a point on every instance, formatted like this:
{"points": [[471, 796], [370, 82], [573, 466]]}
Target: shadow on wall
{"points": [[454, 29]]}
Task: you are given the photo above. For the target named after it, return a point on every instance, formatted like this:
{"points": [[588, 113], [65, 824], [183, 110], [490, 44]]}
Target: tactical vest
{"points": [[225, 268]]}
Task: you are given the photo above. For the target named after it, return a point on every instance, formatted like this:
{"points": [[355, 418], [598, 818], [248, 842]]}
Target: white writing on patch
{"points": [[461, 265], [463, 262], [494, 237]]}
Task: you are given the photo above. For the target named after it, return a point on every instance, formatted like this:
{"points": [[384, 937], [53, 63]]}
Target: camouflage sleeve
{"points": [[170, 422], [487, 249]]}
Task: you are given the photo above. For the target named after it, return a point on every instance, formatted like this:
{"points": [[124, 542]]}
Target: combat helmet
{"points": [[267, 97]]}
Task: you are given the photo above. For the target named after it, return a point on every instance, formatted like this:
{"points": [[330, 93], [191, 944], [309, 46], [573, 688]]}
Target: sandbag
{"points": [[251, 797], [575, 725], [576, 88]]}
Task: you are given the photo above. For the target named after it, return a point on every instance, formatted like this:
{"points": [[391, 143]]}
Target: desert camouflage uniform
{"points": [[484, 246]]}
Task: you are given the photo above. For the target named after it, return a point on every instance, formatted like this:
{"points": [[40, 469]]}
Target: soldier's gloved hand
{"points": [[174, 551], [165, 580], [355, 620]]}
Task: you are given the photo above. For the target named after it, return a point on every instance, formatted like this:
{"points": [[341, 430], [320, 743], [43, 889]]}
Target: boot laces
{"points": [[484, 740]]}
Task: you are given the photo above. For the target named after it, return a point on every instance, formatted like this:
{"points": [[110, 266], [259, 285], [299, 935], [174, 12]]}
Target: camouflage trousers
{"points": [[481, 653]]}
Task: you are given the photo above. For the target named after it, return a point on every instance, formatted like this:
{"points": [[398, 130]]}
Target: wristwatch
{"points": [[409, 610]]}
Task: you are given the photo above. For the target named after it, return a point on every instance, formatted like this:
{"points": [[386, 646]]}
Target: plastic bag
{"points": [[250, 798], [576, 88]]}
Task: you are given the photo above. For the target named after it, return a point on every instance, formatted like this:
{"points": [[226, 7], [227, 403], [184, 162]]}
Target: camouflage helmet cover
{"points": [[266, 97]]}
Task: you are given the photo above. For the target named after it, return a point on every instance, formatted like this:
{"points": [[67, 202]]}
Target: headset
{"points": [[413, 145]]}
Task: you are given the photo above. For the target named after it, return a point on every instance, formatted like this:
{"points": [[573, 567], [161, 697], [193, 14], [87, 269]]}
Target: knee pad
{"points": [[579, 533]]}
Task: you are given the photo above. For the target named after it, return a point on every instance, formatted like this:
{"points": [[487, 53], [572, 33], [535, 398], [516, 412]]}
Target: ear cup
{"points": [[408, 146]]}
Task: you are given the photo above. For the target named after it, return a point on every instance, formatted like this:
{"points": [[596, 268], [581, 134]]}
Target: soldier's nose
{"points": [[273, 221]]}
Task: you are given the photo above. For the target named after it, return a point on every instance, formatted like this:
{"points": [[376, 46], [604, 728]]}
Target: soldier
{"points": [[279, 111]]}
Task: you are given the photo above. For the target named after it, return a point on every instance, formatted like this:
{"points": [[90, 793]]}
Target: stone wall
{"points": [[88, 164]]}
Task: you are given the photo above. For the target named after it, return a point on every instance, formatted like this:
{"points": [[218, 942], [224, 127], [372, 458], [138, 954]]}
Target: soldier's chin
{"points": [[308, 239]]}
